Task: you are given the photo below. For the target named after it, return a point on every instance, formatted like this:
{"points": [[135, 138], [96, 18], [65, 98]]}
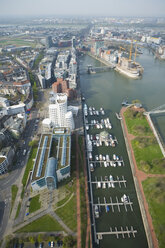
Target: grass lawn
{"points": [[43, 224], [68, 214], [29, 165], [17, 42], [60, 203], [137, 123], [18, 210], [147, 152], [14, 190], [155, 195], [35, 204], [149, 159]]}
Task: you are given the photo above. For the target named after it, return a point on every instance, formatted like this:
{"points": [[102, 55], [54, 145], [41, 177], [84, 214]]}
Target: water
{"points": [[107, 90]]}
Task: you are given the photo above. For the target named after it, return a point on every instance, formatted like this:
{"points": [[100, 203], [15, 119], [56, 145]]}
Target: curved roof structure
{"points": [[51, 167]]}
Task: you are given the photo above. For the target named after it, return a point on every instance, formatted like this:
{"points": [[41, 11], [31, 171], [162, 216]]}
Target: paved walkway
{"points": [[78, 196], [88, 232], [139, 176]]}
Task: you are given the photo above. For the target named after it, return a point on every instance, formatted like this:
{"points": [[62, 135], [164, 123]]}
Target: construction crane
{"points": [[130, 52], [121, 48], [135, 53]]}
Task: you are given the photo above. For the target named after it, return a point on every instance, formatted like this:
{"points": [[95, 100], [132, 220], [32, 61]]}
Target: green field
{"points": [[137, 123], [43, 224], [35, 204], [18, 210], [14, 190], [155, 195], [17, 42], [29, 165], [68, 213], [147, 152]]}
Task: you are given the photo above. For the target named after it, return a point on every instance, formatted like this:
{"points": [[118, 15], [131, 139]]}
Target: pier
{"points": [[117, 203], [117, 181], [101, 163], [118, 231]]}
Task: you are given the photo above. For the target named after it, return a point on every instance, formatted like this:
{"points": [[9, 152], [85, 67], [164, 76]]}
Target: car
{"points": [[27, 214], [52, 244], [49, 243], [41, 245]]}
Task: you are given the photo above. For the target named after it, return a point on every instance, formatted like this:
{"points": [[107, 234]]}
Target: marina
{"points": [[110, 99], [110, 204]]}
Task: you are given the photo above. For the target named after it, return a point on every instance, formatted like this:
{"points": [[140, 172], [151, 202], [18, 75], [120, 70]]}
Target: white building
{"points": [[69, 120], [58, 112]]}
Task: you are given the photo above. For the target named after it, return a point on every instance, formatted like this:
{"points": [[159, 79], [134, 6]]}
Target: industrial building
{"points": [[52, 163]]}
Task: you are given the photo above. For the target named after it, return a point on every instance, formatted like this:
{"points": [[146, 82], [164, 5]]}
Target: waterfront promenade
{"points": [[138, 177]]}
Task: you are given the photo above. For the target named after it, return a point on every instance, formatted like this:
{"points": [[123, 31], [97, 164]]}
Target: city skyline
{"points": [[136, 8]]}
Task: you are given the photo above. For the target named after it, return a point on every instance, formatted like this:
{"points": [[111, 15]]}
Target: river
{"points": [[107, 90]]}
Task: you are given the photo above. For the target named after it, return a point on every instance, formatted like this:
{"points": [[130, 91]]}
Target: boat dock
{"points": [[101, 163], [117, 181], [113, 204], [127, 232]]}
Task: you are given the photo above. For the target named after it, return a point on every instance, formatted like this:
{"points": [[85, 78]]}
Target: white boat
{"points": [[105, 164], [91, 167], [124, 198], [117, 157], [106, 178], [97, 157], [111, 178], [104, 186], [107, 157], [114, 156], [109, 185], [119, 164], [112, 184], [90, 155], [101, 157], [98, 185], [96, 211], [87, 127]]}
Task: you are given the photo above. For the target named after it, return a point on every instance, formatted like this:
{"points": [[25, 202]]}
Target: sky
{"points": [[19, 8]]}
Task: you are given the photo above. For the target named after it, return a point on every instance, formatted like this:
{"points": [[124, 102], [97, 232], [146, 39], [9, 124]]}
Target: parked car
{"points": [[52, 244], [41, 245], [27, 214]]}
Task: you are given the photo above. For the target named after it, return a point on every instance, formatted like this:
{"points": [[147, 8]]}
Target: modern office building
{"points": [[58, 112], [52, 163]]}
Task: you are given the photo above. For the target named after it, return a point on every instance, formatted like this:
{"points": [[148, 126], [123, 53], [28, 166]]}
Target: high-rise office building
{"points": [[58, 112]]}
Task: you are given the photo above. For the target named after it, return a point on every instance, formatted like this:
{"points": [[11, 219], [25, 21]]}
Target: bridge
{"points": [[158, 110], [92, 69]]}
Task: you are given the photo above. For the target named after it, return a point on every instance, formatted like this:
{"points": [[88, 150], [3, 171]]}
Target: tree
{"points": [[68, 242], [33, 143], [31, 240]]}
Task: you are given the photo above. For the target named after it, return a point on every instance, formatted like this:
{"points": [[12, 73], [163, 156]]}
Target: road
{"points": [[13, 177]]}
